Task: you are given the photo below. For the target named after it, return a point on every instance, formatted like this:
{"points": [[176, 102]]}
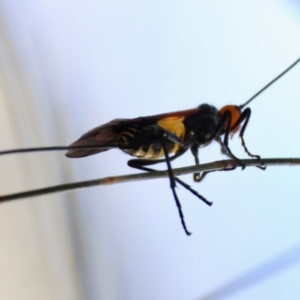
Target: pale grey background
{"points": [[68, 66]]}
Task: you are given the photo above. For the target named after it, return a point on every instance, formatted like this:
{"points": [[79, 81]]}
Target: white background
{"points": [[69, 66]]}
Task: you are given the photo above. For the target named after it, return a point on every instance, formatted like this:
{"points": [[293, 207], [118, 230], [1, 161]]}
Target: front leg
{"points": [[245, 117]]}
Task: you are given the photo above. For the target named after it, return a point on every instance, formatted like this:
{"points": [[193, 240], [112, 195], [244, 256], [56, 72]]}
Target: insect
{"points": [[165, 137]]}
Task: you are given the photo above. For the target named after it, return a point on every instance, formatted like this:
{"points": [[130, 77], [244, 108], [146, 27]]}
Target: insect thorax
{"points": [[202, 127]]}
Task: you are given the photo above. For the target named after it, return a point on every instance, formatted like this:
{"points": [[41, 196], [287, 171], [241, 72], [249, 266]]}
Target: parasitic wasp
{"points": [[163, 138]]}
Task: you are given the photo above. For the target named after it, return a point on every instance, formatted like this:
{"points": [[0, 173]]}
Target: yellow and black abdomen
{"points": [[144, 140]]}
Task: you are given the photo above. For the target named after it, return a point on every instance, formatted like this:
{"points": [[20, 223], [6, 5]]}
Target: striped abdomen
{"points": [[145, 142]]}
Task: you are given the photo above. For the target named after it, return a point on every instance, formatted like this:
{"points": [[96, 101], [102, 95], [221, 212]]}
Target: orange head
{"points": [[235, 114]]}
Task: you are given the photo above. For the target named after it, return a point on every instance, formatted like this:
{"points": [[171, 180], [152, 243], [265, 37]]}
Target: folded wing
{"points": [[100, 139]]}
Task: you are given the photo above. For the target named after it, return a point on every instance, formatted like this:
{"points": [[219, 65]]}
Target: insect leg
{"points": [[197, 176], [136, 163], [173, 185], [245, 116], [225, 125], [195, 152], [139, 164], [172, 137]]}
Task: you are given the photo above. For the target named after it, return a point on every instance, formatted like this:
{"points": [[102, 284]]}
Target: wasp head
{"points": [[235, 113]]}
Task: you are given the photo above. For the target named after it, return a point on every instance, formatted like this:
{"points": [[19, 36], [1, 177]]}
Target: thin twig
{"points": [[214, 166]]}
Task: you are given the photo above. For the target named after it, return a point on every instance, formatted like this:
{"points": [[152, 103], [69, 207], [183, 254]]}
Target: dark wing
{"points": [[101, 138], [105, 137]]}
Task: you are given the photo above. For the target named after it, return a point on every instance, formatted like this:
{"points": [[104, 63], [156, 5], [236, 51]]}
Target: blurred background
{"points": [[69, 66]]}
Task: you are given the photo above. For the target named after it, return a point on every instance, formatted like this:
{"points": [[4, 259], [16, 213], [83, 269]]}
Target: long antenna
{"points": [[53, 148], [270, 83], [57, 148]]}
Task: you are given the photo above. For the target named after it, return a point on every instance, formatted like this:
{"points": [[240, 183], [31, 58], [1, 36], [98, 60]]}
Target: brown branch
{"points": [[213, 166]]}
